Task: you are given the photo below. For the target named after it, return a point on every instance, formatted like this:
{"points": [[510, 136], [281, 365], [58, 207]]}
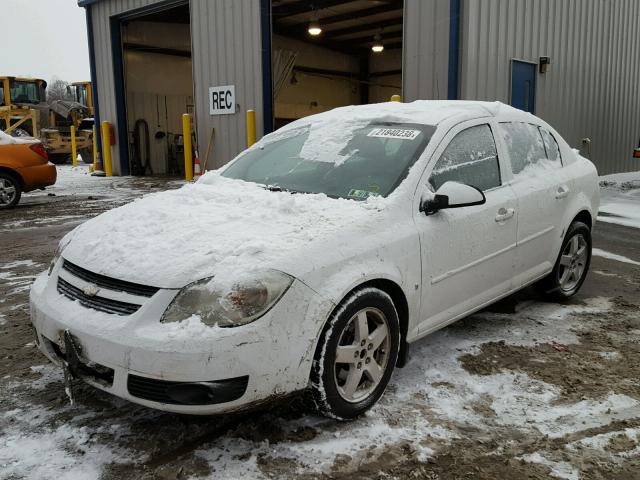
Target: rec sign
{"points": [[222, 100]]}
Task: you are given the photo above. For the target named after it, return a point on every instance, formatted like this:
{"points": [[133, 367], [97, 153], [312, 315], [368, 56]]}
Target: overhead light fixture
{"points": [[377, 46], [314, 28]]}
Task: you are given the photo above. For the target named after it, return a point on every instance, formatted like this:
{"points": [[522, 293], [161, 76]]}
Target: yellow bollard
{"points": [[95, 147], [396, 98], [251, 127], [188, 160], [74, 149], [106, 148]]}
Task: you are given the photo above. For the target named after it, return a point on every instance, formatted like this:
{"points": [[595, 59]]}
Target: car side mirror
{"points": [[453, 195]]}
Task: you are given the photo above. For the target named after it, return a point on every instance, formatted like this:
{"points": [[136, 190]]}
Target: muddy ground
{"points": [[525, 389]]}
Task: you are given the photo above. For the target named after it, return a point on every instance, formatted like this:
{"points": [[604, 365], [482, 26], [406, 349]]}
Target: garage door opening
{"points": [[327, 54], [158, 88]]}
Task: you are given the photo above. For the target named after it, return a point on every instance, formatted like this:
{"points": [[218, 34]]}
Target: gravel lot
{"points": [[525, 389]]}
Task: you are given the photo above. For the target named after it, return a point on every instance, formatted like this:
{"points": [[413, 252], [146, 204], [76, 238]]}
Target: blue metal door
{"points": [[523, 86]]}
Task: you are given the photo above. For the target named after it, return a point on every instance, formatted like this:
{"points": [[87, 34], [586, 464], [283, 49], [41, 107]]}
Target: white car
{"points": [[317, 256]]}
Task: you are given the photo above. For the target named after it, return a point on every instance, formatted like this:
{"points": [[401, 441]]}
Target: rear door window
{"points": [[471, 157], [529, 151]]}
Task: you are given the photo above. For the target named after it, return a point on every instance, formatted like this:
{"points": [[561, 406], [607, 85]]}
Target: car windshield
{"points": [[24, 92], [358, 161]]}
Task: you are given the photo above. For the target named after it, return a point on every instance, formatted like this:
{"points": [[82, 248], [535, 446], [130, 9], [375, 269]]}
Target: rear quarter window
{"points": [[551, 146], [529, 152]]}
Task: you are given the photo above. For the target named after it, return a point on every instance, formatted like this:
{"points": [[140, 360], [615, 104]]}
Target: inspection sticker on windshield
{"points": [[402, 133], [361, 194]]}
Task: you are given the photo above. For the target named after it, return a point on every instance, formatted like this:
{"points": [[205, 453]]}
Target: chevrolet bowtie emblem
{"points": [[90, 290]]}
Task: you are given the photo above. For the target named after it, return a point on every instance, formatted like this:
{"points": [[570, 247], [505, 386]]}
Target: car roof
{"points": [[426, 112]]}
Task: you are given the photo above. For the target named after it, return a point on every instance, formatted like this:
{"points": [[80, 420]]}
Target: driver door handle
{"points": [[505, 214], [562, 192]]}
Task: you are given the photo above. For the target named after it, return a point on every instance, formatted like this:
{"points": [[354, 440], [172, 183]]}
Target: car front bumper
{"points": [[167, 367]]}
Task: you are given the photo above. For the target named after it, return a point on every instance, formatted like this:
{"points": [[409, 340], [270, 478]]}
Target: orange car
{"points": [[24, 166]]}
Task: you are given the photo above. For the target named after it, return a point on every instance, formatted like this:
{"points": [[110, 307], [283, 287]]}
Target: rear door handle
{"points": [[505, 214], [562, 192]]}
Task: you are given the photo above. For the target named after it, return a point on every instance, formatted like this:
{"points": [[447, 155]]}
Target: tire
{"points": [[10, 191], [572, 265], [345, 390]]}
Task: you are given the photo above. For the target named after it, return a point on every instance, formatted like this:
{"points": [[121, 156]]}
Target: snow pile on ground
{"points": [[180, 236], [6, 139], [34, 446], [620, 199], [613, 256]]}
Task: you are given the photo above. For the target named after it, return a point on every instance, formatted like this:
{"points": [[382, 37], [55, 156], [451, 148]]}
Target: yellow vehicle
{"points": [[23, 105], [25, 112], [76, 111], [81, 93]]}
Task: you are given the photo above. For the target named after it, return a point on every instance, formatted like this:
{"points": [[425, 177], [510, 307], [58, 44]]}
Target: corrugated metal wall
{"points": [[592, 89], [426, 49], [227, 50]]}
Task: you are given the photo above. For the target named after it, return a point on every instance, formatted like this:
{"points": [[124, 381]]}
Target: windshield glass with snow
{"points": [[356, 162]]}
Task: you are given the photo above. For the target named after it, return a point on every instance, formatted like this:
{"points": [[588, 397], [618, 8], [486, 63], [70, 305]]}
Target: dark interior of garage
{"points": [[328, 53]]}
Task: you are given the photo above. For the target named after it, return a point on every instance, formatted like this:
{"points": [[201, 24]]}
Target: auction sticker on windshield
{"points": [[402, 133]]}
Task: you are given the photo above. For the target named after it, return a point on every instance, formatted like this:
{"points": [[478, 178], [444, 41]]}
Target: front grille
{"points": [[108, 282], [164, 391], [97, 303]]}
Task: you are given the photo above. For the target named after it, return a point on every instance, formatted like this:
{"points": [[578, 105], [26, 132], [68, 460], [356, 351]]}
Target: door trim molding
{"points": [[455, 271]]}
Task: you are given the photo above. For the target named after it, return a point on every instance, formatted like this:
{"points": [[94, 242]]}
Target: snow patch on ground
{"points": [[603, 441], [620, 199], [613, 256], [558, 469]]}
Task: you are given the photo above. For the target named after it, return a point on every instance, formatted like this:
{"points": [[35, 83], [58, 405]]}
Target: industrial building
{"points": [[576, 64]]}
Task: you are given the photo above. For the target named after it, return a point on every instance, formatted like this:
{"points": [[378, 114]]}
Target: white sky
{"points": [[43, 39]]}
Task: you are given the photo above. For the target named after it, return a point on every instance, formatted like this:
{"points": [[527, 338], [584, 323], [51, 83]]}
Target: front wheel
{"points": [[10, 191], [572, 265], [356, 355]]}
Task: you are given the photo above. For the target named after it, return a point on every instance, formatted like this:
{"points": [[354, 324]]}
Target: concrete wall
{"points": [[592, 89], [315, 93], [383, 87]]}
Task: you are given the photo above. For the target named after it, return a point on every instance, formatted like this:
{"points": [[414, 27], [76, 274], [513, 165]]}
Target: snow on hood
{"points": [[216, 226], [6, 139]]}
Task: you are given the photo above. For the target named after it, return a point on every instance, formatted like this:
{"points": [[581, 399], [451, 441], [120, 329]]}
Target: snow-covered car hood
{"points": [[216, 227]]}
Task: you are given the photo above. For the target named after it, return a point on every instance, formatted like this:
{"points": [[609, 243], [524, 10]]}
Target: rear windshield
{"points": [[370, 159]]}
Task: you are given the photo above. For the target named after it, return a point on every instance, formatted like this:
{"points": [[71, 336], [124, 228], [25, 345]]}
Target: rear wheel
{"points": [[572, 265], [356, 355], [10, 191]]}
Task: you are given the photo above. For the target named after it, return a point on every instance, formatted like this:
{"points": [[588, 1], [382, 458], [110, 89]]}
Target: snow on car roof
{"points": [[6, 139], [427, 112]]}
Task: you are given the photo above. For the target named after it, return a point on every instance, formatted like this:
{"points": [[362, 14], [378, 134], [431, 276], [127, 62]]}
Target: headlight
{"points": [[224, 306], [58, 253]]}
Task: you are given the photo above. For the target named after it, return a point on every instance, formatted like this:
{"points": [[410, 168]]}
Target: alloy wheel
{"points": [[7, 191], [573, 262], [362, 354]]}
